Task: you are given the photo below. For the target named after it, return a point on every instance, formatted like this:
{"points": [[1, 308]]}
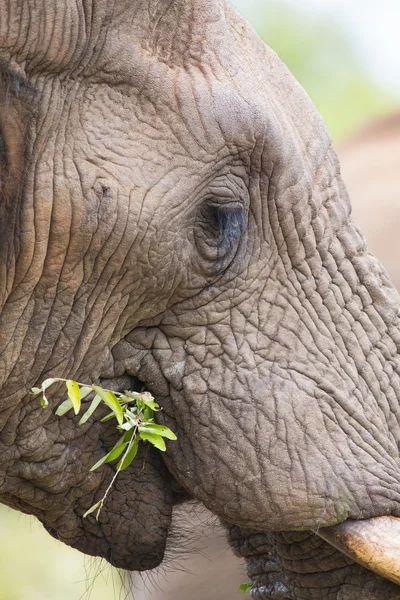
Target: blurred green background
{"points": [[34, 566], [327, 47], [331, 47]]}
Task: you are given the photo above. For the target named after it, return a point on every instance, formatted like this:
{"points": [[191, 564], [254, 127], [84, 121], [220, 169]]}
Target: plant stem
{"points": [[129, 446]]}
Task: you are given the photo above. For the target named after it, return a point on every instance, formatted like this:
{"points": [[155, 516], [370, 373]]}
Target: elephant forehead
{"points": [[162, 129], [214, 85]]}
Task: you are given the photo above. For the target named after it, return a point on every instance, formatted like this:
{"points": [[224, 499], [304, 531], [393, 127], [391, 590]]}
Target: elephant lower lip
{"points": [[373, 543]]}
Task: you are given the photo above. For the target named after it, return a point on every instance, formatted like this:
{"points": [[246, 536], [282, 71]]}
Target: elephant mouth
{"points": [[134, 384], [373, 543]]}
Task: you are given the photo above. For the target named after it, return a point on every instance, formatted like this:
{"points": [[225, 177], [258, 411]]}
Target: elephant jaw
{"points": [[373, 543]]}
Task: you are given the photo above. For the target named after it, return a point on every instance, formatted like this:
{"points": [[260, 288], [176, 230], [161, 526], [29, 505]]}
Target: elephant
{"points": [[173, 217], [370, 165]]}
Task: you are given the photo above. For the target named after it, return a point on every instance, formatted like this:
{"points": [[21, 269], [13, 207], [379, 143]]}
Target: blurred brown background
{"points": [[346, 54]]}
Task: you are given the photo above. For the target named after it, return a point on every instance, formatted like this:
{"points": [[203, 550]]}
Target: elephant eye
{"points": [[228, 222], [221, 228]]}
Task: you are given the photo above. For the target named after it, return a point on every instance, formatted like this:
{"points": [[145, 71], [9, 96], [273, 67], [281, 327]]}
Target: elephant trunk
{"points": [[373, 543]]}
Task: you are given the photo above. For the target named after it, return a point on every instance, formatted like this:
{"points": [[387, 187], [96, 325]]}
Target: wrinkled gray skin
{"points": [[172, 210], [370, 165]]}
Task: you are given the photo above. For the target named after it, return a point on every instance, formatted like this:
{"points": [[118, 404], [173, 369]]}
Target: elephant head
{"points": [[172, 212]]}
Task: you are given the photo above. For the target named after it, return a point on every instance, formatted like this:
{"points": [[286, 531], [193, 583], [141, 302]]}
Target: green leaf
{"points": [[142, 397], [112, 402], [148, 414], [108, 417], [147, 400], [98, 463], [118, 449], [129, 456], [130, 416], [151, 404], [154, 439], [64, 408], [113, 454], [128, 436], [85, 391], [47, 383], [92, 509], [128, 426], [74, 394], [94, 404], [36, 391], [158, 430], [245, 587]]}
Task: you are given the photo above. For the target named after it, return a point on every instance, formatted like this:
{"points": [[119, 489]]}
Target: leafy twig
{"points": [[246, 587], [134, 412]]}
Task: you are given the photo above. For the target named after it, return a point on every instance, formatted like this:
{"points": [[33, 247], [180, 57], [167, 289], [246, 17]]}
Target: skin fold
{"points": [[172, 211]]}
